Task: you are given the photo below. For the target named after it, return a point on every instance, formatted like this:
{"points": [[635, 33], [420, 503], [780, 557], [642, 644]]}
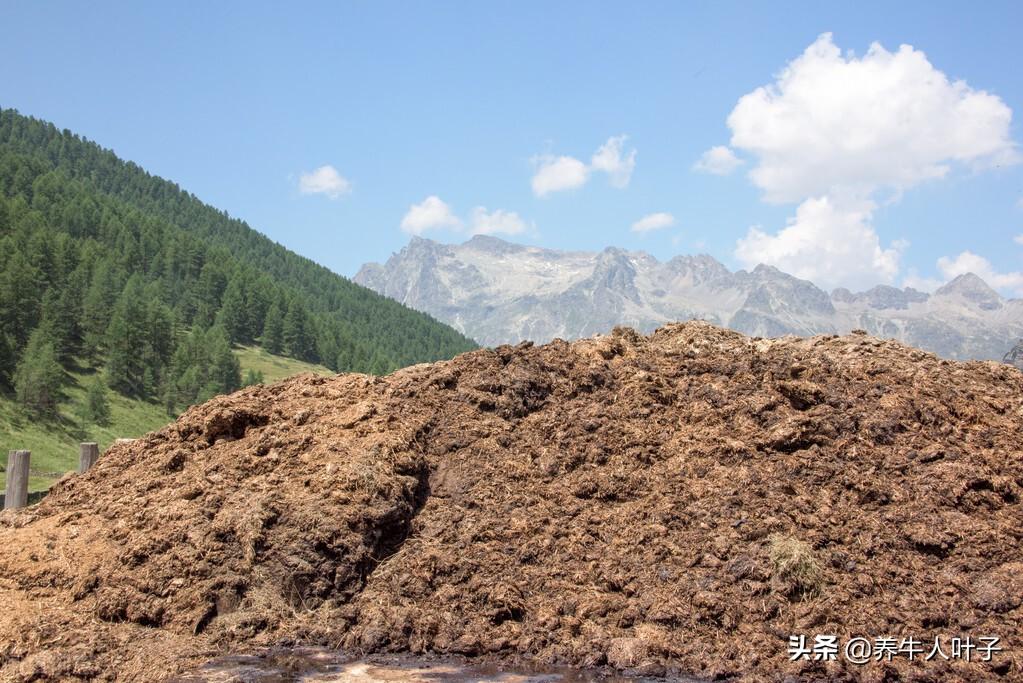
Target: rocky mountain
{"points": [[1015, 355], [498, 292]]}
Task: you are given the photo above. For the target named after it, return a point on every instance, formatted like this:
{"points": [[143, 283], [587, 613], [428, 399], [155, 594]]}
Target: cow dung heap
{"points": [[678, 503]]}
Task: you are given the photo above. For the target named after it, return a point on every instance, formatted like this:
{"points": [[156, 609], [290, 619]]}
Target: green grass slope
{"points": [[54, 444], [275, 368]]}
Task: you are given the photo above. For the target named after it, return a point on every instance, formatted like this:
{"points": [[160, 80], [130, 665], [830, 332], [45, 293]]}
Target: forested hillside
{"points": [[103, 265]]}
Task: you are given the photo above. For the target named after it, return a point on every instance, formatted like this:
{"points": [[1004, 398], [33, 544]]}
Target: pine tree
{"points": [[208, 291], [253, 377], [21, 288], [8, 360], [39, 377], [159, 345], [97, 306], [187, 371], [258, 295], [126, 341], [60, 320], [119, 355], [225, 371], [233, 313], [95, 409], [273, 330], [299, 341]]}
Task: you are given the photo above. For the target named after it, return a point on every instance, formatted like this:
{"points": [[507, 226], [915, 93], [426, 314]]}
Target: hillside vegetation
{"points": [[54, 441], [101, 262]]}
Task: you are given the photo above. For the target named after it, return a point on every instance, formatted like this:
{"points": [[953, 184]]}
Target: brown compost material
{"points": [[614, 502]]}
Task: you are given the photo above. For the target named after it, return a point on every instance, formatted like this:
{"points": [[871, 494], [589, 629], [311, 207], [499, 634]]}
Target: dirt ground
{"points": [[674, 504]]}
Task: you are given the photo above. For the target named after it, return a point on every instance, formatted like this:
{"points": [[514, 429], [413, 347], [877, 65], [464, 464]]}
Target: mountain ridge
{"points": [[502, 292]]}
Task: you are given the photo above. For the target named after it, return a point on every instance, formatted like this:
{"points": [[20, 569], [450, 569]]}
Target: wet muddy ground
{"points": [[315, 665]]}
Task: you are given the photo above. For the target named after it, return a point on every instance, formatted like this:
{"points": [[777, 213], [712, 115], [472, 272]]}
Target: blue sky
{"points": [[470, 103]]}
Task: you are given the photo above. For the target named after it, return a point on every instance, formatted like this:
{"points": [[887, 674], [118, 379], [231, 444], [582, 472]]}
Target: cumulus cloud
{"points": [[496, 222], [609, 158], [887, 119], [719, 160], [826, 243], [430, 214], [560, 173], [556, 174], [968, 262], [653, 221], [834, 130], [324, 180], [924, 284], [433, 214]]}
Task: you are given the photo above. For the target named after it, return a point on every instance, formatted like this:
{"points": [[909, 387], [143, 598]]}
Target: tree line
{"points": [[105, 266]]}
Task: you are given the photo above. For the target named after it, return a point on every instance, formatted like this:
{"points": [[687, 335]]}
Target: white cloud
{"points": [[654, 221], [608, 158], [968, 262], [1018, 239], [885, 120], [833, 131], [923, 284], [433, 214], [828, 244], [430, 214], [719, 160], [325, 180], [496, 222], [556, 174]]}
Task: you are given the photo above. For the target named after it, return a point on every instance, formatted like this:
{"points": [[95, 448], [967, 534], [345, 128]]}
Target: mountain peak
{"points": [[421, 245], [971, 287], [492, 245]]}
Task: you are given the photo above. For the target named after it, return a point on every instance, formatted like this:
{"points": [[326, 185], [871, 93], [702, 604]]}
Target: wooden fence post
{"points": [[88, 453], [17, 480]]}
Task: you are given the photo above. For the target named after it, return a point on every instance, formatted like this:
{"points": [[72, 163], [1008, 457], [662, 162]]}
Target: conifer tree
{"points": [[126, 340], [298, 335], [225, 371], [8, 361], [39, 377], [60, 321], [232, 314], [21, 289], [97, 305], [95, 409], [253, 377], [208, 291], [119, 355], [273, 330]]}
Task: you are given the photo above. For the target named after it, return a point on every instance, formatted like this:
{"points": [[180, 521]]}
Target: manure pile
{"points": [[678, 503]]}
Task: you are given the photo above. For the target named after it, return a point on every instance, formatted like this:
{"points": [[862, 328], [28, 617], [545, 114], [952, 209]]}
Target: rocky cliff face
{"points": [[499, 292]]}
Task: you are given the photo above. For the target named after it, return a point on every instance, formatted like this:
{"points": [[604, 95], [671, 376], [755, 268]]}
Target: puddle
{"points": [[313, 665]]}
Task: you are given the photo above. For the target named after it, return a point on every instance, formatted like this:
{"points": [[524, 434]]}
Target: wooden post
{"points": [[88, 453], [17, 480]]}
